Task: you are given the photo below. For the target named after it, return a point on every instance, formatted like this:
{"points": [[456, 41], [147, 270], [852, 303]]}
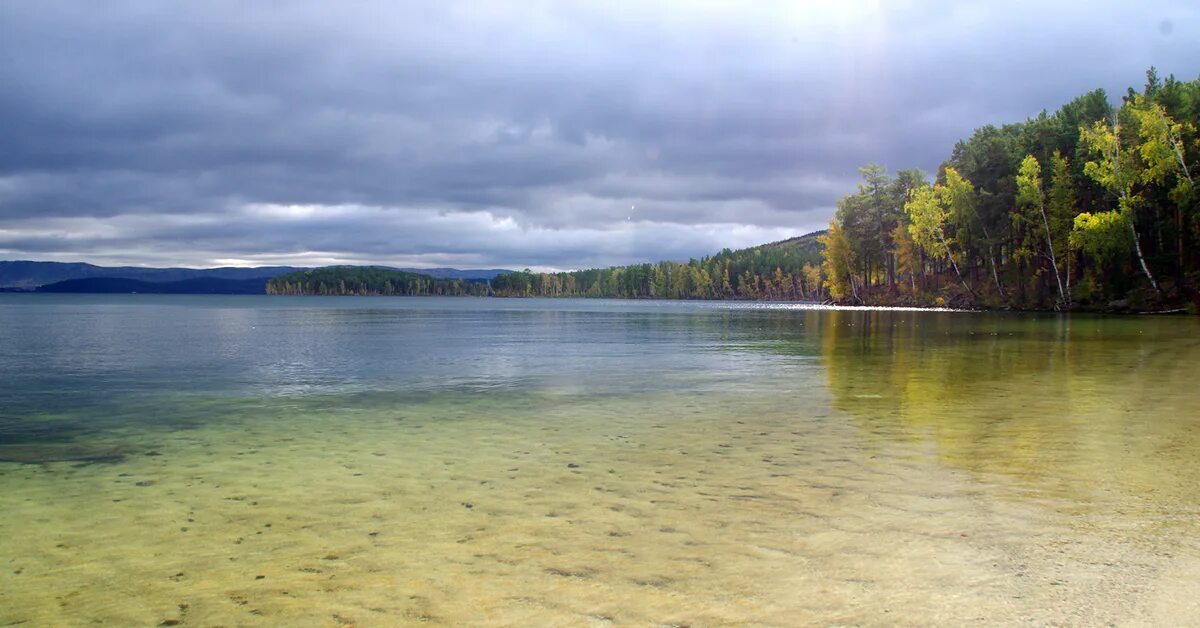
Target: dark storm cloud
{"points": [[543, 134]]}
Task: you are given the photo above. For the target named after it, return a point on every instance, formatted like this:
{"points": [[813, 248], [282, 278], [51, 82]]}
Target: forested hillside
{"points": [[1087, 207], [370, 281], [785, 270]]}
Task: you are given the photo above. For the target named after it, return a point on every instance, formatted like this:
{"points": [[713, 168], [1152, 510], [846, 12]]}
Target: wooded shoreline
{"points": [[1091, 208]]}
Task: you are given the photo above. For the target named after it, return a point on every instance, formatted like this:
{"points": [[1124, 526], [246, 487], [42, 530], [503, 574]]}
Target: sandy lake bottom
{"points": [[558, 510]]}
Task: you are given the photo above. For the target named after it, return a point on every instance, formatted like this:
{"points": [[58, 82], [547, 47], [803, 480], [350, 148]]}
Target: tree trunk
{"points": [[995, 276], [1062, 295], [1137, 246], [1179, 241], [955, 264], [1069, 256], [992, 260], [1179, 210]]}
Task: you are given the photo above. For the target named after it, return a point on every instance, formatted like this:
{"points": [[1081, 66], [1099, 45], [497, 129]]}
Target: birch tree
{"points": [[1116, 171], [1031, 196], [838, 263], [928, 210], [1163, 158]]}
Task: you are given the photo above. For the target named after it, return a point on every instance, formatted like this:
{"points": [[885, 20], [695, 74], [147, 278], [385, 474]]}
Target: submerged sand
{"points": [[723, 508]]}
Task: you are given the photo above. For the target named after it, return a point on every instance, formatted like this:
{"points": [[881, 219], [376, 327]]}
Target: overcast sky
{"points": [[477, 134]]}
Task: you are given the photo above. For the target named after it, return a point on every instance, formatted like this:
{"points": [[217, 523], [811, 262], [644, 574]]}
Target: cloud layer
{"points": [[551, 135]]}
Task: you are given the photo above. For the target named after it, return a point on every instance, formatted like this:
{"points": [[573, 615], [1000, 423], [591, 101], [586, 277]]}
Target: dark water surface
{"points": [[380, 461]]}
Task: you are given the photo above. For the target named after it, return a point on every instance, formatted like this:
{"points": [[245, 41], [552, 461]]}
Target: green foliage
{"points": [[908, 257], [1161, 149], [371, 281], [868, 220], [959, 198], [1029, 182], [1031, 205], [1102, 235], [1111, 167], [774, 271], [931, 210], [1092, 196], [838, 262], [1088, 199], [1032, 221], [1061, 203], [927, 220]]}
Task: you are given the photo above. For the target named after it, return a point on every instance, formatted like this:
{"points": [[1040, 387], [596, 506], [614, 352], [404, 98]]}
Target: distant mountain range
{"points": [[29, 275], [79, 277], [196, 285]]}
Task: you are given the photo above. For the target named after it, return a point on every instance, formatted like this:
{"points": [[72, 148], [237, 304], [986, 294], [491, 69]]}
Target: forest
{"points": [[372, 281], [1090, 207], [785, 270], [788, 270]]}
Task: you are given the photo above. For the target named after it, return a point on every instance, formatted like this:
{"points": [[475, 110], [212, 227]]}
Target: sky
{"points": [[548, 135]]}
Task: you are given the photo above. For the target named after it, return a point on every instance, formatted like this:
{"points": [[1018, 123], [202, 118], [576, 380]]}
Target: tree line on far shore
{"points": [[788, 270], [371, 281], [1091, 206], [785, 270]]}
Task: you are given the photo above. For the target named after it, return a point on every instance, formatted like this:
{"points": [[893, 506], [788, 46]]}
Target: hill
{"points": [[120, 285], [371, 281], [807, 244], [27, 274], [784, 270]]}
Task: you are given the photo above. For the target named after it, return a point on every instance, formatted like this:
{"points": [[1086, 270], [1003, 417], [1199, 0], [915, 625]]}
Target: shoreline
{"points": [[762, 304]]}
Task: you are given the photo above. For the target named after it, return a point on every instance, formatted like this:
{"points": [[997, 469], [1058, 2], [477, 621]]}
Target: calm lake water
{"points": [[382, 461]]}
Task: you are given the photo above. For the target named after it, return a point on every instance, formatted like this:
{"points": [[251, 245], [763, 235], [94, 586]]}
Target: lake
{"points": [[332, 461]]}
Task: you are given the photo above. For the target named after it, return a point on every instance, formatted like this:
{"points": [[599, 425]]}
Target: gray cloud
{"points": [[541, 134]]}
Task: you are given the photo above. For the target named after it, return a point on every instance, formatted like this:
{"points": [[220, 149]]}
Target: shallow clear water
{"points": [[375, 461]]}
